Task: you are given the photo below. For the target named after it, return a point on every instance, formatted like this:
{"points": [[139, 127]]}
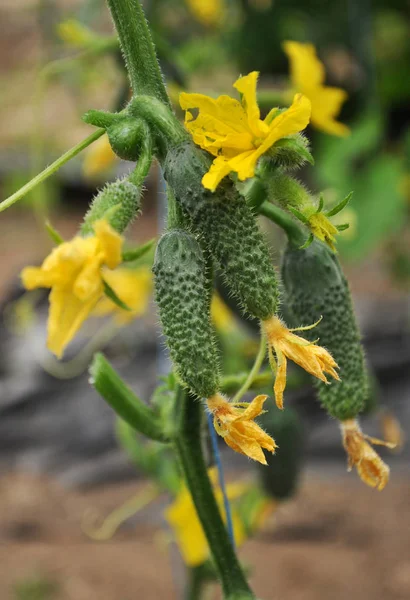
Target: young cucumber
{"points": [[183, 296], [228, 227], [316, 288]]}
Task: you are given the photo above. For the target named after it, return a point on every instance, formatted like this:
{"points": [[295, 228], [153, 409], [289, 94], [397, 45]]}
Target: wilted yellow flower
{"points": [[285, 344], [323, 229], [133, 287], [235, 423], [392, 431], [187, 528], [75, 34], [221, 314], [99, 158], [308, 76], [208, 12], [73, 272], [370, 467], [233, 131]]}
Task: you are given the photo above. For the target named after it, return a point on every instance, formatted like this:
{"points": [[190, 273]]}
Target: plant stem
{"points": [[138, 48], [124, 402], [254, 371], [187, 442], [57, 164], [278, 216], [195, 585]]}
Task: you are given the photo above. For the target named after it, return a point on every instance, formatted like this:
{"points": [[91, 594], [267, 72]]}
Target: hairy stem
{"points": [[138, 48]]}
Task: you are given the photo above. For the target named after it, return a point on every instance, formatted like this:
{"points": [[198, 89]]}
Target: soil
{"points": [[337, 540]]}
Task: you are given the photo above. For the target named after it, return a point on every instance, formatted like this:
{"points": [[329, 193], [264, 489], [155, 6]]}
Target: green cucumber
{"points": [[182, 294], [228, 227], [118, 202], [315, 287], [280, 477]]}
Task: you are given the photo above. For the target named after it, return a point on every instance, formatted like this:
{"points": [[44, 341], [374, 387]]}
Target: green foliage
{"points": [[229, 229], [316, 288], [182, 294], [35, 588]]}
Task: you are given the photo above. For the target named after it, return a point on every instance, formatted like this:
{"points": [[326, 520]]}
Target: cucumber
{"points": [[316, 287], [280, 477], [119, 202], [182, 294], [228, 227]]}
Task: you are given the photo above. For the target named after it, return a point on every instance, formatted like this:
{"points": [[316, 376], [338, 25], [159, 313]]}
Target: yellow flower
{"points": [[75, 34], [392, 431], [370, 467], [222, 316], [133, 287], [313, 358], [308, 76], [187, 528], [73, 272], [233, 131], [208, 12], [99, 158], [235, 423], [323, 229]]}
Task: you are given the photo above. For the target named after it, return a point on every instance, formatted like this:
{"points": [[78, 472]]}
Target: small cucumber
{"points": [[315, 287], [182, 294], [228, 227], [280, 477], [119, 202]]}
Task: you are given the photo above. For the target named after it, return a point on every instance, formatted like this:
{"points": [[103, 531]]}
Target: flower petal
{"points": [[220, 168], [306, 69]]}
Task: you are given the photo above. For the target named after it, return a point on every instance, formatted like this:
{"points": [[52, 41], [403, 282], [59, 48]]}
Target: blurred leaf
{"points": [[379, 205]]}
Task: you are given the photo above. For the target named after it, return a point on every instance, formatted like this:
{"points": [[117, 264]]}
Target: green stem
{"points": [[124, 402], [144, 162], [138, 48], [278, 216], [254, 371], [161, 119], [57, 164], [188, 447], [195, 584], [230, 383]]}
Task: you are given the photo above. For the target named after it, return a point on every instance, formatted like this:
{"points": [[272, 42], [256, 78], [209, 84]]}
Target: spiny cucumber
{"points": [[228, 226], [118, 202], [316, 287], [182, 294]]}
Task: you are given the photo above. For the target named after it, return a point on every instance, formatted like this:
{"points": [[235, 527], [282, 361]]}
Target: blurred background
{"points": [[63, 468]]}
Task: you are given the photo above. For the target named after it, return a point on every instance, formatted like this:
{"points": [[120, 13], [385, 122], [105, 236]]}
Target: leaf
{"points": [[298, 215], [53, 233], [343, 227], [308, 242], [321, 203], [339, 207], [109, 292], [138, 252]]}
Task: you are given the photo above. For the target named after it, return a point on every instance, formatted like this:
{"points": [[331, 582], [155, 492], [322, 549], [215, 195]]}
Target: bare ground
{"points": [[338, 540]]}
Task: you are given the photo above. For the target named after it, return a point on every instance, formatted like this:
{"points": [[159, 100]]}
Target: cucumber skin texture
{"points": [[315, 287], [183, 298], [123, 194], [228, 227]]}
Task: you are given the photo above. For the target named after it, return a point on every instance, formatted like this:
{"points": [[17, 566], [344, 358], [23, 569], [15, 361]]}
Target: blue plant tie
{"points": [[218, 462]]}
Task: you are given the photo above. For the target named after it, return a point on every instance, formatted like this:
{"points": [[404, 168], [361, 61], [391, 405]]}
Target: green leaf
{"points": [[321, 203], [53, 233], [298, 215], [343, 227], [109, 292], [138, 252], [308, 242], [339, 207]]}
